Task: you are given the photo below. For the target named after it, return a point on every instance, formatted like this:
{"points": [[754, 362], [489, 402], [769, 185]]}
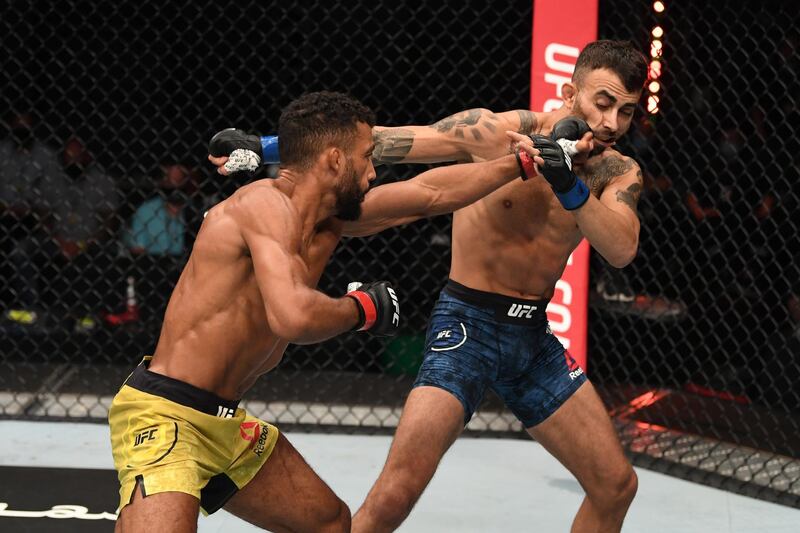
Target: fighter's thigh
{"points": [[287, 495], [165, 512], [581, 436], [432, 420]]}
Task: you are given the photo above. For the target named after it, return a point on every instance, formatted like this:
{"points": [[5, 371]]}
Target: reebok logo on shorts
{"points": [[250, 431], [257, 434], [574, 369]]}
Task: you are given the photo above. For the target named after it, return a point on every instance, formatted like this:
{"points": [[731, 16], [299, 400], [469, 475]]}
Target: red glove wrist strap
{"points": [[526, 164], [366, 304]]}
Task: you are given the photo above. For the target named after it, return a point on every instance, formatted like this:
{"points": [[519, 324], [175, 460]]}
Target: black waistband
{"points": [[179, 392], [506, 308]]}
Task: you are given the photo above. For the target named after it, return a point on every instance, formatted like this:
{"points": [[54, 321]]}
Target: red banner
{"points": [[560, 31]]}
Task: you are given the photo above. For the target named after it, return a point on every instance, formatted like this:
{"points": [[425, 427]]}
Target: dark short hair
{"points": [[620, 57], [316, 121]]}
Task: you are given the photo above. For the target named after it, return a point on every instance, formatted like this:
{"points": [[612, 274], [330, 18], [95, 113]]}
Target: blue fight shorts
{"points": [[479, 339]]}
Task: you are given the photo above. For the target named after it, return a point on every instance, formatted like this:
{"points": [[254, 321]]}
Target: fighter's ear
{"points": [[568, 94], [334, 158]]}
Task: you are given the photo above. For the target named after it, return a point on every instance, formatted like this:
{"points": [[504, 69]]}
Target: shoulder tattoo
{"points": [[602, 172], [527, 122]]}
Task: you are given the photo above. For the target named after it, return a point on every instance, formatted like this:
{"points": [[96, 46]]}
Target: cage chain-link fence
{"points": [[702, 331], [108, 108]]}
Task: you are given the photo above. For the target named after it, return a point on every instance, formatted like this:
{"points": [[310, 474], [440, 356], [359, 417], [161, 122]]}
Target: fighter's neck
{"points": [[313, 200]]}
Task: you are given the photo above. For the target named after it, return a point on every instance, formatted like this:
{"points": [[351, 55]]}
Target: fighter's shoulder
{"points": [[522, 121], [263, 208], [609, 166]]}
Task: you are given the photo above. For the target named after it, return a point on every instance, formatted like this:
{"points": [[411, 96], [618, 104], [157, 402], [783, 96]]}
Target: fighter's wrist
{"points": [[367, 312], [527, 167], [575, 196], [269, 150]]}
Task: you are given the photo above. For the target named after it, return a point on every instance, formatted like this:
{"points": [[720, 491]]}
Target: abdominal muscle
{"points": [[515, 241], [217, 340]]}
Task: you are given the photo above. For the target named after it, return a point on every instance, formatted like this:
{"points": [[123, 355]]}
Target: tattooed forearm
{"points": [[527, 122], [392, 145], [458, 121], [468, 122], [630, 196]]}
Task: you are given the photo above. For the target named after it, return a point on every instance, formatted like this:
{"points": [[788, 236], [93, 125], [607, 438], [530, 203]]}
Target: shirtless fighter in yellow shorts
{"points": [[179, 439]]}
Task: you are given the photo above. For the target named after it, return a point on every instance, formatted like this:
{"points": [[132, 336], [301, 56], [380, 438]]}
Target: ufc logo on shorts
{"points": [[521, 310], [396, 315], [225, 412], [148, 434], [444, 334]]}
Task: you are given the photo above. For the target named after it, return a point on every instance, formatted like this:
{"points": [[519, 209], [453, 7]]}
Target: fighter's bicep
{"points": [[622, 195], [389, 205], [273, 243], [276, 268], [522, 121]]}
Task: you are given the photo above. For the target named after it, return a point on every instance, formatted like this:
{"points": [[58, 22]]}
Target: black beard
{"points": [[597, 150], [349, 198]]}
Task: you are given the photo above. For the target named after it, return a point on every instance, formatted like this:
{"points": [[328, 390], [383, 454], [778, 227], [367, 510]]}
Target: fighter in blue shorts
{"points": [[489, 329], [478, 340]]}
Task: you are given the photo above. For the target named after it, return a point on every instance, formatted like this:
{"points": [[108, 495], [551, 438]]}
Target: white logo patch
{"points": [[521, 310], [445, 334]]}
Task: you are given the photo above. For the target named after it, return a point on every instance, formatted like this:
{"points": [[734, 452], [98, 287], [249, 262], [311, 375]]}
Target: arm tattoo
{"points": [[527, 122], [392, 145], [630, 196], [459, 120], [599, 174]]}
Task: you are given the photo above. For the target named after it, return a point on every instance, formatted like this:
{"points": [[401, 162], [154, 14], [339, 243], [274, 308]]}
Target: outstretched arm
{"points": [[471, 135], [435, 192]]}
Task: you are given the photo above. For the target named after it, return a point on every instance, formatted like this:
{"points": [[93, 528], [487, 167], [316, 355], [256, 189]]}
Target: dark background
{"points": [[142, 83]]}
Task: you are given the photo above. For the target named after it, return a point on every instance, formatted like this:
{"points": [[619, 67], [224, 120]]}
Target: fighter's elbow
{"points": [[291, 327], [623, 256]]}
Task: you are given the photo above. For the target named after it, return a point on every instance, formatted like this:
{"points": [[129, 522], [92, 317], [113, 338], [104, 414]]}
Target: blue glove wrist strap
{"points": [[575, 197], [269, 150]]}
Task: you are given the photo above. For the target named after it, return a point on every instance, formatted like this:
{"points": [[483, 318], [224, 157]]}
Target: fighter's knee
{"points": [[627, 485], [395, 504], [336, 519], [618, 489]]}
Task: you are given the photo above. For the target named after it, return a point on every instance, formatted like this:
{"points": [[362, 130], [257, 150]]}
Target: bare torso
{"points": [[216, 335], [517, 240]]}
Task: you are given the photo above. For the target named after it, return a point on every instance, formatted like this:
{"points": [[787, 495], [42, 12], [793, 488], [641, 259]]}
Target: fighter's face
{"points": [[358, 173], [603, 102]]}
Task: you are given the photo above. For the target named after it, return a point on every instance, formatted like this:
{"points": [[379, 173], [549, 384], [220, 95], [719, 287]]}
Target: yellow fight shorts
{"points": [[171, 436]]}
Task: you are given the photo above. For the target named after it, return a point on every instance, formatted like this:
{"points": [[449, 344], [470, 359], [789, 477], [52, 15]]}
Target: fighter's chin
{"points": [[598, 149], [349, 213], [606, 144]]}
